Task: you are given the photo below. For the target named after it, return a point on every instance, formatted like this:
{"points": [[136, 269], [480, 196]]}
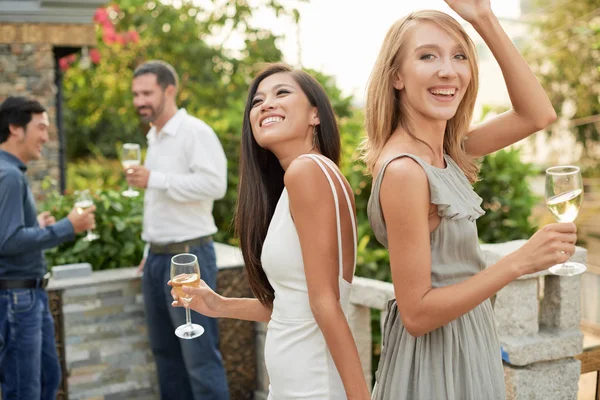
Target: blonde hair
{"points": [[382, 112]]}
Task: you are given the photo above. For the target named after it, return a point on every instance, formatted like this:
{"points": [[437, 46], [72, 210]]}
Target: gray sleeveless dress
{"points": [[460, 360]]}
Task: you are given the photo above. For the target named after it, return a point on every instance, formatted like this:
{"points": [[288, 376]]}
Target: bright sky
{"points": [[342, 37]]}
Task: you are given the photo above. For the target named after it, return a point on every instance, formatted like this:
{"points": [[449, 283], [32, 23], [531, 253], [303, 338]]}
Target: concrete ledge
{"points": [[547, 345], [227, 257], [371, 293]]}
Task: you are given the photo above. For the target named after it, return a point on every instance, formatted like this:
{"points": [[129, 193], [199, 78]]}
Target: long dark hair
{"points": [[261, 175]]}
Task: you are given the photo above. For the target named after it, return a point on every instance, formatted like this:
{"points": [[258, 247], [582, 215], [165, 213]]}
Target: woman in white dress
{"points": [[295, 219]]}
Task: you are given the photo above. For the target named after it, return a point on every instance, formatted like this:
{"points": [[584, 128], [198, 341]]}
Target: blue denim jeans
{"points": [[188, 369], [29, 367]]}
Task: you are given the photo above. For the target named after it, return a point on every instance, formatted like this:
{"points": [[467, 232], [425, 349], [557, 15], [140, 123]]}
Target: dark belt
{"points": [[180, 247], [39, 283]]}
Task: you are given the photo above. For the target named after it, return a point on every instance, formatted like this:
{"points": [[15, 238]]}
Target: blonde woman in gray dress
{"points": [[440, 340]]}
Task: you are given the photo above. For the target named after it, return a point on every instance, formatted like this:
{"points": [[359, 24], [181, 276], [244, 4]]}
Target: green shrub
{"points": [[118, 222], [507, 198]]}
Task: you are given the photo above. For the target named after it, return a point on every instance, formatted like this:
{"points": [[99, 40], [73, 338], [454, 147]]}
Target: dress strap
{"points": [[323, 161]]}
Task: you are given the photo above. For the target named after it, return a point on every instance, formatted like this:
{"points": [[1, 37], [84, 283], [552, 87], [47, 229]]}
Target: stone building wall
{"points": [[28, 70]]}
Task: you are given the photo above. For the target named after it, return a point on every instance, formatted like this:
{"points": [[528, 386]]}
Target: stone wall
{"points": [[105, 337], [28, 70], [538, 320], [538, 325]]}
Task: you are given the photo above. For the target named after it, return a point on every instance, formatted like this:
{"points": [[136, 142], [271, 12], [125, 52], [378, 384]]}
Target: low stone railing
{"points": [[538, 319], [104, 346], [103, 341], [538, 323]]}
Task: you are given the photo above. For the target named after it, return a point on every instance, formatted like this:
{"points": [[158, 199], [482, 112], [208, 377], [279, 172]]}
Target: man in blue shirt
{"points": [[29, 368]]}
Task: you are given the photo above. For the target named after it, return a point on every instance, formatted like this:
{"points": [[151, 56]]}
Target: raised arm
{"points": [[531, 109], [313, 210], [422, 307]]}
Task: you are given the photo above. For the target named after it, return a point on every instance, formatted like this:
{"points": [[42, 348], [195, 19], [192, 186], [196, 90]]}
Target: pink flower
{"points": [[101, 15], [109, 37], [63, 64], [95, 56], [134, 36]]}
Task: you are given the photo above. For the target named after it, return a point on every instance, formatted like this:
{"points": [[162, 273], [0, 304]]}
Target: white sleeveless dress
{"points": [[296, 355]]}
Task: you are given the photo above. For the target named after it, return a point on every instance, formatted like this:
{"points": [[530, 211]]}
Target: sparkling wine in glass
{"points": [[83, 201], [185, 271], [564, 195], [130, 155]]}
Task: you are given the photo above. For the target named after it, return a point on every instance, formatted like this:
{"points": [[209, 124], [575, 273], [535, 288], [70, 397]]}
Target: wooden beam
{"points": [[590, 360], [67, 35]]}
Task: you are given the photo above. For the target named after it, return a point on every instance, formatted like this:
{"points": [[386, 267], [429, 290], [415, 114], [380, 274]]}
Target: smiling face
{"points": [[281, 113], [31, 139], [435, 73], [149, 98]]}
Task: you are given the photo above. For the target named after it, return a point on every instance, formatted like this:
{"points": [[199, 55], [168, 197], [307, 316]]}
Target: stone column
{"points": [[28, 68], [538, 323]]}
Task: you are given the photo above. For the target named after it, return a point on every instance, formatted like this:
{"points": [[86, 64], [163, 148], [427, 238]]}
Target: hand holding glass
{"points": [[564, 195], [130, 155], [84, 200], [186, 271]]}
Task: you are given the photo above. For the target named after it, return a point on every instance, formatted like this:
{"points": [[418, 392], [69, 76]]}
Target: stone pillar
{"points": [[538, 323], [359, 319], [28, 68]]}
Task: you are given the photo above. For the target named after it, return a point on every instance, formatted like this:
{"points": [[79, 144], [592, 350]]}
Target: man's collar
{"points": [[12, 159], [172, 125]]}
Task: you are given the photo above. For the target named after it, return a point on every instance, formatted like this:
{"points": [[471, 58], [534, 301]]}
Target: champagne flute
{"points": [[84, 200], [186, 271], [564, 195], [130, 155]]}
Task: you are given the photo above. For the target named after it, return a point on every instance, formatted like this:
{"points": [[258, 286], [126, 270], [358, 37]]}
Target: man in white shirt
{"points": [[184, 172]]}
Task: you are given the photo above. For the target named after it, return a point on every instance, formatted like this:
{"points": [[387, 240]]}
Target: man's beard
{"points": [[154, 113], [148, 118]]}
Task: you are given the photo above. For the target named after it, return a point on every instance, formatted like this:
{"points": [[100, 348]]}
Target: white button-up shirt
{"points": [[188, 171]]}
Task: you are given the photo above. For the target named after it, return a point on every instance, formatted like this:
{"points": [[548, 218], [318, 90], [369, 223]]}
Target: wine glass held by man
{"points": [[83, 202], [130, 157], [440, 339]]}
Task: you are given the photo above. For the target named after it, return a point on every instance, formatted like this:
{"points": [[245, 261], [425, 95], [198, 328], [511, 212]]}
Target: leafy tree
{"points": [[213, 79], [566, 57]]}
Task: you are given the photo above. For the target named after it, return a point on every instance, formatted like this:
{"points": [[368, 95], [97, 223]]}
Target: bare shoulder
{"points": [[404, 173], [301, 171], [307, 182]]}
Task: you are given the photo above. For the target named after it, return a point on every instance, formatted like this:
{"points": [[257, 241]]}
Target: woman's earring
{"points": [[314, 136]]}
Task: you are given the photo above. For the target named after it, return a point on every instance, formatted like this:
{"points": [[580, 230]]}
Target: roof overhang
{"points": [[56, 22], [49, 11]]}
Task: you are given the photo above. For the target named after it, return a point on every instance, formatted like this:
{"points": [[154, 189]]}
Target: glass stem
{"points": [[188, 319]]}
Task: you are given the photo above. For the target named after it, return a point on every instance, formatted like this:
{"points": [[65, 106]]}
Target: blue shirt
{"points": [[22, 241]]}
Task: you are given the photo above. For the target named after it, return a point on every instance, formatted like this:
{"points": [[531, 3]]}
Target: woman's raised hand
{"points": [[470, 10]]}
